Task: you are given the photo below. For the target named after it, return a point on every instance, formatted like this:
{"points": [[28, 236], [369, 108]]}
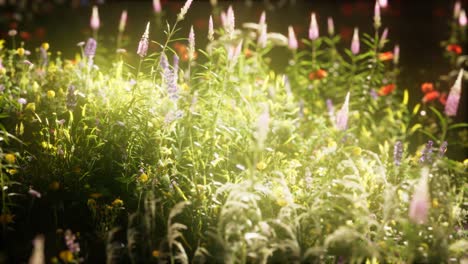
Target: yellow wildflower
{"points": [[357, 151], [282, 202], [155, 253], [2, 41], [55, 185], [12, 171], [185, 87], [45, 46], [117, 203], [50, 94], [10, 158], [435, 203], [2, 71], [465, 162], [261, 166], [143, 178], [66, 256], [31, 107], [20, 52], [6, 218]]}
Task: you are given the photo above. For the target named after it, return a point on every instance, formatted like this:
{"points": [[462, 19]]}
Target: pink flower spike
{"points": [[342, 115], [377, 19], [355, 42], [396, 54], [462, 18], [456, 9], [331, 26], [420, 202], [123, 21], [157, 6], [313, 29], [184, 9], [191, 40], [34, 193], [210, 29], [383, 3], [95, 22], [262, 20], [292, 40], [144, 42], [230, 22], [383, 38], [223, 17], [451, 106]]}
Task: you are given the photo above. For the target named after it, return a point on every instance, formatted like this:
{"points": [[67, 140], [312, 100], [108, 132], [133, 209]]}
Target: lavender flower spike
{"points": [[383, 3], [210, 29], [397, 153], [396, 54], [90, 48], [456, 9], [157, 6], [355, 42], [331, 26], [262, 38], [462, 18], [342, 116], [313, 29], [123, 21], [453, 99], [230, 22], [420, 202], [191, 47], [95, 22], [292, 40], [426, 155], [383, 38], [144, 42], [377, 19], [183, 10]]}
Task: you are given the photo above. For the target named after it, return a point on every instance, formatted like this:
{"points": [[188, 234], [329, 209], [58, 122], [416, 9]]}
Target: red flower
{"points": [[318, 75], [454, 48], [430, 96], [387, 89], [443, 98], [427, 87], [25, 35], [386, 56]]}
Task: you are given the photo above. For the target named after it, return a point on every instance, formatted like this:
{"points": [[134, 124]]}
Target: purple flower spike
{"points": [[355, 42], [453, 99], [90, 48], [210, 29], [292, 40], [144, 42], [426, 156], [383, 38], [95, 22], [313, 29], [331, 26], [157, 6]]}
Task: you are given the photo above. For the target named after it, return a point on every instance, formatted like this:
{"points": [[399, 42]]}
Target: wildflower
{"points": [[318, 75], [443, 149], [90, 48], [262, 38], [155, 253], [430, 96], [95, 22], [183, 10], [157, 6], [234, 52], [12, 32], [426, 155], [356, 151], [117, 203], [55, 185], [342, 115], [2, 42], [420, 202], [331, 26], [383, 3], [453, 99], [50, 94], [396, 56], [313, 29], [123, 21], [6, 218], [387, 89], [22, 101], [427, 87], [397, 153], [34, 193], [10, 158], [230, 22], [45, 46], [454, 48], [143, 178], [377, 20], [462, 18], [385, 56], [210, 29], [292, 40], [355, 42], [456, 9], [191, 40], [31, 107], [70, 241], [66, 256], [144, 42], [261, 166], [383, 38], [20, 52]]}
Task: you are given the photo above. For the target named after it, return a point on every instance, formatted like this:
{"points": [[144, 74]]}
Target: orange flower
{"points": [[454, 48], [318, 75], [386, 56], [427, 87], [430, 96], [387, 89], [248, 53], [183, 52]]}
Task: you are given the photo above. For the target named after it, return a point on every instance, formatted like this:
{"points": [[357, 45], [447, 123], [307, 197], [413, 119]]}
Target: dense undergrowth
{"points": [[207, 155]]}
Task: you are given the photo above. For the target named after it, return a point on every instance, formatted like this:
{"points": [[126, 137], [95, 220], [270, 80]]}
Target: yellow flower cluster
{"points": [[10, 158]]}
